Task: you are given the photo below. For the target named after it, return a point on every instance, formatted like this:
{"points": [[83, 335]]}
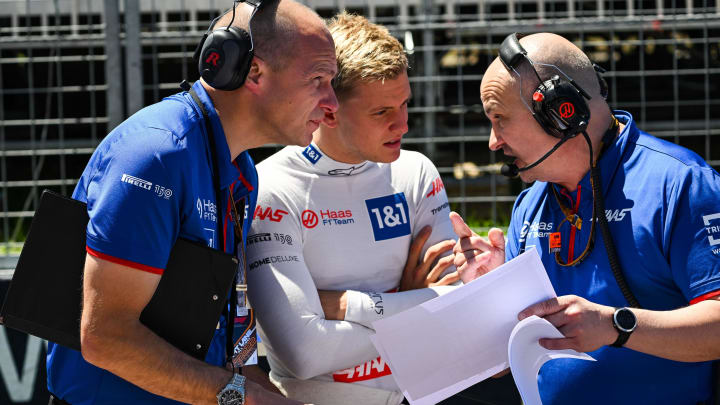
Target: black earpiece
{"points": [[558, 104], [224, 54], [559, 108]]}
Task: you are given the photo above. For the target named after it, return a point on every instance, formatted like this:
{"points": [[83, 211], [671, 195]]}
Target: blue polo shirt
{"points": [[662, 202], [148, 183]]}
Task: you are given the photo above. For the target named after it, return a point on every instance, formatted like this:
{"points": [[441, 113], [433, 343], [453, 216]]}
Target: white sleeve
{"points": [[365, 308], [285, 298], [432, 208]]}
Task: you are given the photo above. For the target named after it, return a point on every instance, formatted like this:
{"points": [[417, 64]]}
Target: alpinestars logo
{"points": [[713, 231], [136, 181]]}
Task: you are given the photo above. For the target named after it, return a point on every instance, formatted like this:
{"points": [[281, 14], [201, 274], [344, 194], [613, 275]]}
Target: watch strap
{"points": [[621, 339]]}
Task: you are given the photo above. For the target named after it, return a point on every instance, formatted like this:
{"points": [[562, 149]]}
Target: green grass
{"points": [[483, 230], [13, 249]]}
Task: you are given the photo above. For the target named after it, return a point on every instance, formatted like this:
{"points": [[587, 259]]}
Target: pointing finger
{"points": [[459, 225]]}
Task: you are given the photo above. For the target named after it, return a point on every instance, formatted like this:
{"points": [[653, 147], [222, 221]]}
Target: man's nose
{"points": [[494, 143], [399, 124], [329, 102]]}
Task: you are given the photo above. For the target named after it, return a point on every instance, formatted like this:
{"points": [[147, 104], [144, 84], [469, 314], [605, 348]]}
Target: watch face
{"points": [[625, 320], [231, 397]]}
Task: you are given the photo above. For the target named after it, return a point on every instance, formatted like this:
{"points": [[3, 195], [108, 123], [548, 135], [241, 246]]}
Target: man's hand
{"points": [[586, 326], [334, 304], [421, 275], [475, 255]]}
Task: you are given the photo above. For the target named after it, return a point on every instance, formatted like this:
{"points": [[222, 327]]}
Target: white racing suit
{"points": [[321, 224]]}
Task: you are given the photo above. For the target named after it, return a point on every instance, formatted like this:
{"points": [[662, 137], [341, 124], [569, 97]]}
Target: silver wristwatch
{"points": [[234, 392]]}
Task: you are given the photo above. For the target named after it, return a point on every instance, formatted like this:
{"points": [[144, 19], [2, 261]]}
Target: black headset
{"points": [[558, 103], [224, 54]]}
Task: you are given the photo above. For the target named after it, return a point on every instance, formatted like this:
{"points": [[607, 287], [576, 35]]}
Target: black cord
{"points": [[235, 2], [230, 307], [601, 218]]}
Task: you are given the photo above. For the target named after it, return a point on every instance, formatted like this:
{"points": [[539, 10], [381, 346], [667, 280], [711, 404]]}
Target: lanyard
{"points": [[572, 217], [230, 312]]}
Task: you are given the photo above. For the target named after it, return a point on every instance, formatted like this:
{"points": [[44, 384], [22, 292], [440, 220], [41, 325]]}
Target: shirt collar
{"points": [[229, 172], [320, 163], [610, 160]]}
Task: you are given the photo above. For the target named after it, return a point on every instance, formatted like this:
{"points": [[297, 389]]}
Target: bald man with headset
{"points": [[254, 90], [626, 226]]}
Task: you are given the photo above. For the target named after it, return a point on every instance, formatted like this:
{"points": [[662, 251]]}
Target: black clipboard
{"points": [[44, 297]]}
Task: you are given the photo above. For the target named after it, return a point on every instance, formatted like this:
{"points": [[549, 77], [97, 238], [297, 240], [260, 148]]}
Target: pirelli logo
{"points": [[136, 181], [258, 237]]}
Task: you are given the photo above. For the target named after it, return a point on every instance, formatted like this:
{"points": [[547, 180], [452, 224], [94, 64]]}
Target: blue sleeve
{"points": [[692, 231], [133, 201]]}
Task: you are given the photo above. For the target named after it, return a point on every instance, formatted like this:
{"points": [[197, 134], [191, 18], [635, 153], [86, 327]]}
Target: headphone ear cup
{"points": [[225, 58], [540, 109], [562, 111]]}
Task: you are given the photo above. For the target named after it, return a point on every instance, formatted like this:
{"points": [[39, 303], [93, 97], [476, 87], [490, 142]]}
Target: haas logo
{"points": [[566, 110], [275, 216], [309, 219]]}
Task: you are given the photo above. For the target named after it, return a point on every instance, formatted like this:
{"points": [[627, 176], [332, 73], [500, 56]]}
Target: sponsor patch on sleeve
{"points": [[712, 227]]}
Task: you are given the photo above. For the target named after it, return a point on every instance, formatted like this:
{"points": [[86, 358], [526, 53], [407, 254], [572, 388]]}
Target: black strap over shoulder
{"points": [[230, 313], [215, 168]]}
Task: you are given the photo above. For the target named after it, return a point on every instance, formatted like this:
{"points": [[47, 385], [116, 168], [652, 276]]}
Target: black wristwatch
{"points": [[234, 392], [625, 322]]}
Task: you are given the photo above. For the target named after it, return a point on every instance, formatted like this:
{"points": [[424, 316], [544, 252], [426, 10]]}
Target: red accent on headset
{"points": [[537, 96], [566, 110], [214, 57]]}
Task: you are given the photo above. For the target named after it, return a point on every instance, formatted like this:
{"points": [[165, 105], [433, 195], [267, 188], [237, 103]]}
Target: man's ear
{"points": [[330, 119], [255, 76]]}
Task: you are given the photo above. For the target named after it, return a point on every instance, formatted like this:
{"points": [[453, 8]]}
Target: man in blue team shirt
{"points": [[662, 205], [150, 182]]}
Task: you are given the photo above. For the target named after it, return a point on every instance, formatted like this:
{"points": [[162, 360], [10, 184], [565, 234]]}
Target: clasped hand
{"points": [[427, 272]]}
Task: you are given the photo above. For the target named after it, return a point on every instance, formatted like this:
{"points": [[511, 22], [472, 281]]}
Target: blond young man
{"points": [[344, 222]]}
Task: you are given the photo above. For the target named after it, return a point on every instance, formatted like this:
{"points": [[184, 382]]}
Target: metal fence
{"points": [[70, 70]]}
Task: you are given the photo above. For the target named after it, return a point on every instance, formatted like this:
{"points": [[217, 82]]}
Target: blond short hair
{"points": [[366, 52]]}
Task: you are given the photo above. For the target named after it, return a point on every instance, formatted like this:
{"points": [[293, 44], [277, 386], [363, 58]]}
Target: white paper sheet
{"points": [[452, 342], [527, 356]]}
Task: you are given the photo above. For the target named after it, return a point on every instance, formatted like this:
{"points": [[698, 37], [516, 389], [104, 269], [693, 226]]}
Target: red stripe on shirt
{"points": [[226, 218], [242, 178], [128, 263], [704, 297], [576, 207]]}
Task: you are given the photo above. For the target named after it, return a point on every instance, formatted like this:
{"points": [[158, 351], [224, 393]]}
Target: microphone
{"points": [[509, 170]]}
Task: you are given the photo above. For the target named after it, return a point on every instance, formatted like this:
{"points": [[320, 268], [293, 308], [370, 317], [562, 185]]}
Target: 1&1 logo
{"points": [[389, 216], [309, 219]]}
